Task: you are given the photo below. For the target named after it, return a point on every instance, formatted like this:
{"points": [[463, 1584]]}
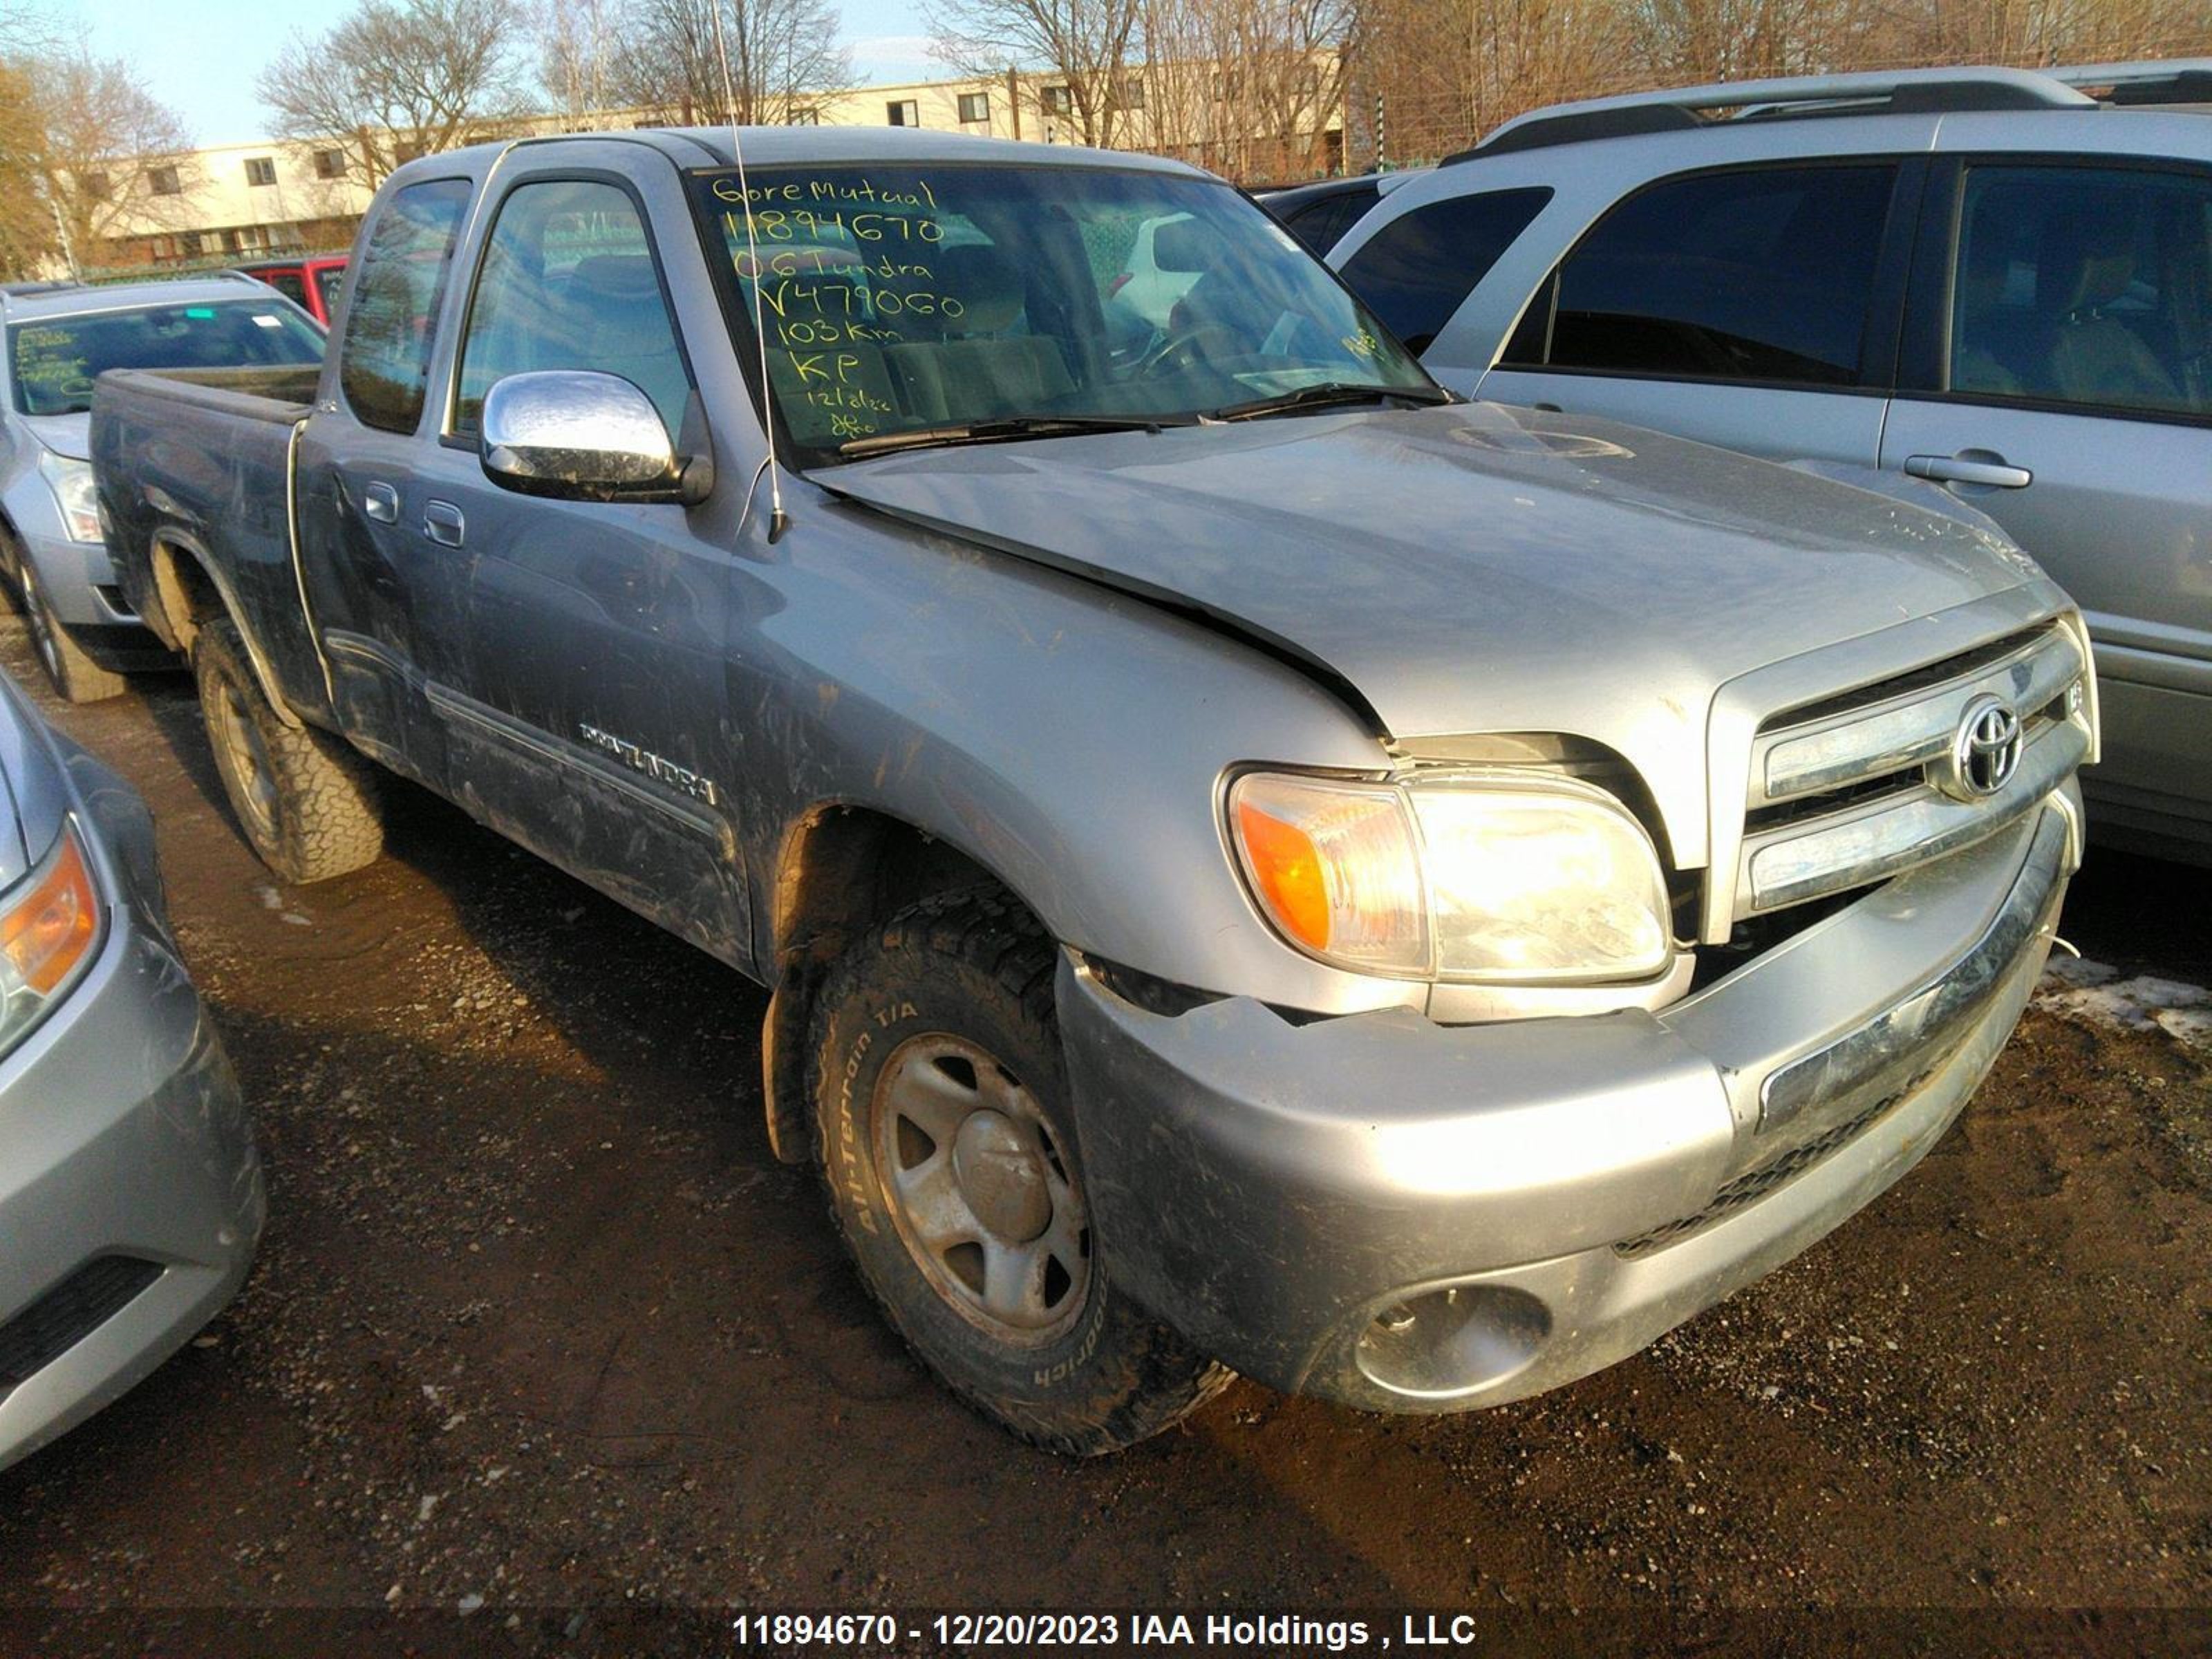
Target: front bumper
{"points": [[123, 1145], [1408, 1217]]}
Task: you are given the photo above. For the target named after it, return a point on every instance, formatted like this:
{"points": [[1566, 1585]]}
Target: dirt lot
{"points": [[539, 1322]]}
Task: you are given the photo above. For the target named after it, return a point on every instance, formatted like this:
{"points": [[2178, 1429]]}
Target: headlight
{"points": [[71, 482], [1492, 878], [49, 925]]}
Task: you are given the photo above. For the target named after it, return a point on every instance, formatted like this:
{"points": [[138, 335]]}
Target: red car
{"points": [[310, 281]]}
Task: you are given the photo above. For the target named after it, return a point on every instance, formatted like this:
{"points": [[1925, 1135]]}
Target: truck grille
{"points": [[69, 1313], [1748, 1189], [1854, 789]]}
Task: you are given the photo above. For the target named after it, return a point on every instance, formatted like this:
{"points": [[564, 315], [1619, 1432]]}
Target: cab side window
{"points": [[1764, 276], [2084, 285], [1419, 269], [384, 362], [569, 281]]}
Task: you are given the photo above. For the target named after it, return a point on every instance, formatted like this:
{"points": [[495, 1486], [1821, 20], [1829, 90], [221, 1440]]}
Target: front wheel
{"points": [[940, 1103], [67, 665]]}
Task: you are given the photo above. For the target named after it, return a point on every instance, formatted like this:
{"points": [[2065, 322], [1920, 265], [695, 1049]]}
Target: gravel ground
{"points": [[540, 1333]]}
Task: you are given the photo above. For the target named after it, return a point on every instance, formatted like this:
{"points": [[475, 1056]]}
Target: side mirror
{"points": [[577, 434]]}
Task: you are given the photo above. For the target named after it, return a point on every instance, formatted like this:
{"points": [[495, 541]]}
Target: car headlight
{"points": [[1491, 878], [49, 928], [72, 483]]}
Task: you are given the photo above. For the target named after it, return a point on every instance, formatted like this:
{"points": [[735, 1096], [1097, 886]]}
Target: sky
{"points": [[200, 57]]}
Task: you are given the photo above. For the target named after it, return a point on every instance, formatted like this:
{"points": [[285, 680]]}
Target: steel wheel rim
{"points": [[981, 1191], [247, 760]]}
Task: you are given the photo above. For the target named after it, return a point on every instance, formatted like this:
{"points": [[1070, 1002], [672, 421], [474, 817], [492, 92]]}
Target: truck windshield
{"points": [[912, 304], [53, 360]]}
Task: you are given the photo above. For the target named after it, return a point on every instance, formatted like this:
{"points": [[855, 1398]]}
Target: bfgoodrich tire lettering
{"points": [[306, 803], [941, 1118]]}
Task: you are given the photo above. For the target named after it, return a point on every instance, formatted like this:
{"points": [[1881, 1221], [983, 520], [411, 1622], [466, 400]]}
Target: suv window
{"points": [[383, 363], [1419, 268], [1319, 224], [1764, 275], [2084, 285], [568, 281]]}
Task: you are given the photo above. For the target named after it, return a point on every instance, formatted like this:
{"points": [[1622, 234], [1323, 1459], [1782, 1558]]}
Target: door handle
{"points": [[443, 523], [381, 502], [1966, 469]]}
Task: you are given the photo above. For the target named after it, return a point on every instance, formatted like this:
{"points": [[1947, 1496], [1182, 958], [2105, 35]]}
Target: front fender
{"points": [[1070, 739]]}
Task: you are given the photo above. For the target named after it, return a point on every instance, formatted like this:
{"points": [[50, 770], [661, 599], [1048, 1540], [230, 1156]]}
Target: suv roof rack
{"points": [[50, 285], [1924, 91], [2158, 81]]}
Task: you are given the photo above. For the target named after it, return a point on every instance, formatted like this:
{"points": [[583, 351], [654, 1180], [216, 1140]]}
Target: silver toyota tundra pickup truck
{"points": [[1261, 864]]}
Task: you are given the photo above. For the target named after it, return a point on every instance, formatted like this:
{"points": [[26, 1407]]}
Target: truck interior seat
{"points": [[2088, 258], [829, 387], [622, 327], [976, 366]]}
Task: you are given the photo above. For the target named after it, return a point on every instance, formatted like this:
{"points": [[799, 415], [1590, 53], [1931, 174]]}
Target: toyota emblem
{"points": [[1985, 750]]}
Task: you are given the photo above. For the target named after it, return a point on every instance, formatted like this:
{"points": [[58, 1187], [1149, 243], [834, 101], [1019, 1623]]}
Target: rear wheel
{"points": [[74, 673], [941, 1108], [306, 803]]}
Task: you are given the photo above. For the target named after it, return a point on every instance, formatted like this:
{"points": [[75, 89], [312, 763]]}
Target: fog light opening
{"points": [[1457, 1341]]}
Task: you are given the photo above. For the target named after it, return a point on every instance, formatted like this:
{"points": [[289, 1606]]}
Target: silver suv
{"points": [[1996, 280], [56, 338]]}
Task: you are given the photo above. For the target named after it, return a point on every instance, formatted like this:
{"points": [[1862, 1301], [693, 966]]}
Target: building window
{"points": [[329, 164], [1129, 92], [188, 245], [164, 181], [260, 170], [95, 185], [975, 107], [805, 116], [903, 112], [1057, 100]]}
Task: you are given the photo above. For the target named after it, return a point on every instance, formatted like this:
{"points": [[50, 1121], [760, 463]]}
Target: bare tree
{"points": [[1251, 88], [27, 231], [783, 57], [1089, 46], [576, 44], [81, 141], [106, 137], [402, 78]]}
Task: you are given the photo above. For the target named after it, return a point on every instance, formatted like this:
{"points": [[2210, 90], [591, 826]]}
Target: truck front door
{"points": [[385, 604], [591, 725]]}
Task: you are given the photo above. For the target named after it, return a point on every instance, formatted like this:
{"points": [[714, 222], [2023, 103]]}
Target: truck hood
{"points": [[66, 434], [1471, 568]]}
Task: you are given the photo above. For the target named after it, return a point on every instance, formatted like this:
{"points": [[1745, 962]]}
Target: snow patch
{"points": [[2094, 991]]}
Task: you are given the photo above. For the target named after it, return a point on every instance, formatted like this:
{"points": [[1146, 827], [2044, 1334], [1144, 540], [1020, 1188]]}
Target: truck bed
{"points": [[280, 396], [204, 456]]}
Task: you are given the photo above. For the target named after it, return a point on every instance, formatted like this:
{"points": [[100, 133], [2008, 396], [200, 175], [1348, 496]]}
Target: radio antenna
{"points": [[778, 520]]}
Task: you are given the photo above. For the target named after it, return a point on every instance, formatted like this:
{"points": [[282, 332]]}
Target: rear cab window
{"points": [[1419, 269], [1762, 276], [384, 360]]}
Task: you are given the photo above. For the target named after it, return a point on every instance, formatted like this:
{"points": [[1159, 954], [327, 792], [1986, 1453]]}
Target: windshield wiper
{"points": [[1329, 394], [1005, 426]]}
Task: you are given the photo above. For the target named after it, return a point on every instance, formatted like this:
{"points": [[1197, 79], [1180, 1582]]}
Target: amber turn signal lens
{"points": [[47, 932], [1286, 867]]}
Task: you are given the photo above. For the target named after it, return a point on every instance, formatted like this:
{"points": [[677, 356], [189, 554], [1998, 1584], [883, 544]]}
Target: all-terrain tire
{"points": [[308, 804], [968, 976], [74, 675]]}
